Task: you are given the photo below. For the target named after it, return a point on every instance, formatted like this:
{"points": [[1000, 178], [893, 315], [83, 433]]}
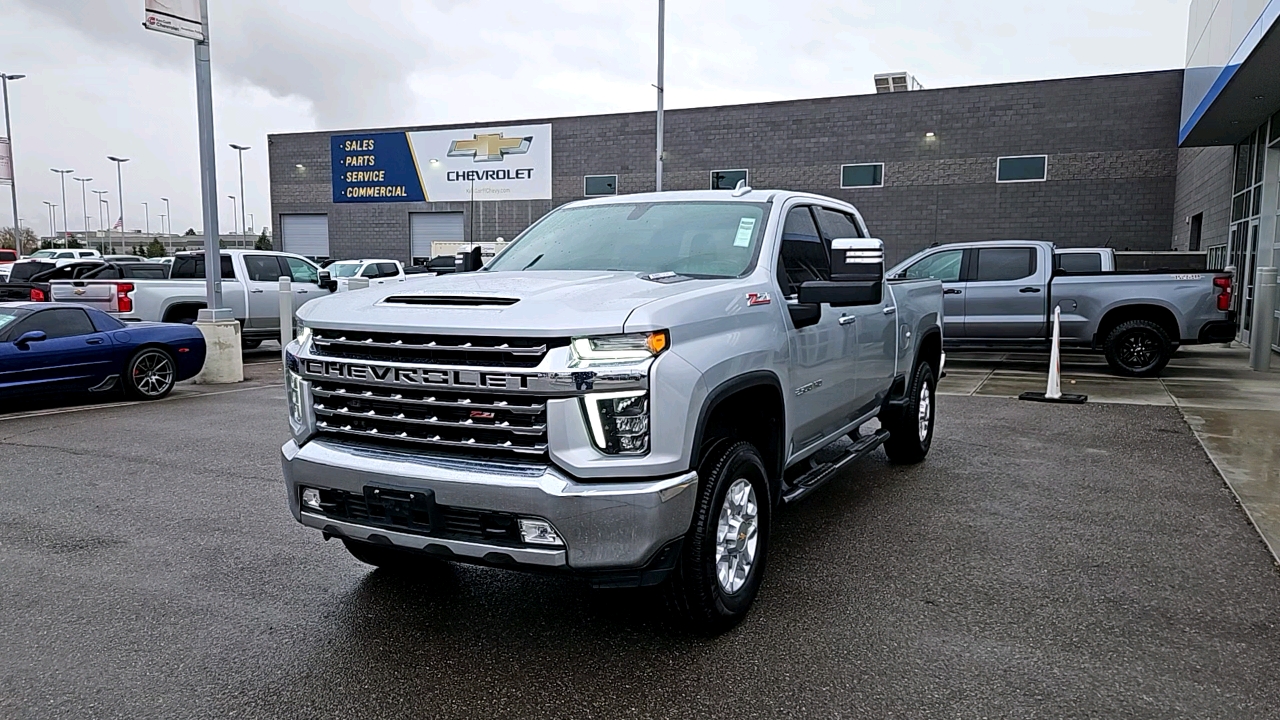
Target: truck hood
{"points": [[559, 303]]}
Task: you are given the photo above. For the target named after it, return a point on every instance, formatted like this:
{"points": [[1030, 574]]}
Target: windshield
{"points": [[43, 253], [341, 269], [699, 239]]}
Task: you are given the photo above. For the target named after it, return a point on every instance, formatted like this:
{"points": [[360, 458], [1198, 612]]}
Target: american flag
{"points": [[119, 224]]}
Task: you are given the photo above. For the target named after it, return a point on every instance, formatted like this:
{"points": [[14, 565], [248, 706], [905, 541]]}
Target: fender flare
{"points": [[755, 378]]}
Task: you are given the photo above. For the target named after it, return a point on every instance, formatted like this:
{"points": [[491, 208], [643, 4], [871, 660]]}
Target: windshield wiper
{"points": [[532, 262]]}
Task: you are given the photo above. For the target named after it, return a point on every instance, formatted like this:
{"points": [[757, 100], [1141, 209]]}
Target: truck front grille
{"points": [[434, 349], [457, 523], [468, 423]]}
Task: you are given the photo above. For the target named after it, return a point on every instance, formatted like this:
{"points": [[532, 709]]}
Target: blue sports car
{"points": [[56, 348]]}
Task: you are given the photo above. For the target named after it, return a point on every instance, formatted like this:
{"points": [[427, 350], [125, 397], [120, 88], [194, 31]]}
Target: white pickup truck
{"points": [[250, 287]]}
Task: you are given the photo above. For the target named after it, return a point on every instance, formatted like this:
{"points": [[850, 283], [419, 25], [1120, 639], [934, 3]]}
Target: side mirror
{"points": [[804, 315], [324, 279], [857, 275], [468, 260], [29, 337]]}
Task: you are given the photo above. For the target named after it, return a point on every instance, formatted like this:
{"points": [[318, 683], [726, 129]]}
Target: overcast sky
{"points": [[99, 84]]}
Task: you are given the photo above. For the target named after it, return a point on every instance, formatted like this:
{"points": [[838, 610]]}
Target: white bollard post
{"points": [[286, 313], [1053, 391]]}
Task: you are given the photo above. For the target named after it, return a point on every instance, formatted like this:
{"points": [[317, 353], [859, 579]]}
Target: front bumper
{"points": [[604, 526]]}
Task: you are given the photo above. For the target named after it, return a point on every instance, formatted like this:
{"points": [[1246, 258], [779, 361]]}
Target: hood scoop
{"points": [[449, 301]]}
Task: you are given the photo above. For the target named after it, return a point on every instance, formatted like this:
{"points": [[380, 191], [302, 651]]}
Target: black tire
{"points": [[911, 429], [250, 344], [391, 558], [150, 374], [695, 590], [1138, 348]]}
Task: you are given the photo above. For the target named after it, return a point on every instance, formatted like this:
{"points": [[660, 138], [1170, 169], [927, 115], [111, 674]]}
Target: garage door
{"points": [[306, 235], [427, 228]]}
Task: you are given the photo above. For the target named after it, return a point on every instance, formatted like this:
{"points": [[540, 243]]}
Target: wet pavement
{"points": [[1046, 561], [1234, 411]]}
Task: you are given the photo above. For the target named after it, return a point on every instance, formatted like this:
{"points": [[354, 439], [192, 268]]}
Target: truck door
{"points": [[820, 390], [306, 280], [871, 326], [1006, 294], [262, 278], [945, 266]]}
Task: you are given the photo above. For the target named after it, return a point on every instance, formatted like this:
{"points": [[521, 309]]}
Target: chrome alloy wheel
{"points": [[736, 536], [926, 412], [153, 373]]}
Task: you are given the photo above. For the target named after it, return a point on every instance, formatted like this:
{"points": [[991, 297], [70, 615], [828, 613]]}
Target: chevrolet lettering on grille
{"points": [[415, 376]]}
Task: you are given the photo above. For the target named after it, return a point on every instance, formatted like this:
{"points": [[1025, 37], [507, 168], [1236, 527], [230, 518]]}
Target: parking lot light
{"points": [[311, 498]]}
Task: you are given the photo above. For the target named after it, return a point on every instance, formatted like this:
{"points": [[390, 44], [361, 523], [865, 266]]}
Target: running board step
{"points": [[823, 472]]}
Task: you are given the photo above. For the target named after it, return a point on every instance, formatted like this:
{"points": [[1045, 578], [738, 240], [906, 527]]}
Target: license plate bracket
{"points": [[413, 510]]}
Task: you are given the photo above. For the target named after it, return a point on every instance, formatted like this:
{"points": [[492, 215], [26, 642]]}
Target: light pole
{"points": [[84, 204], [662, 23], [168, 215], [8, 132], [107, 203], [53, 232], [163, 217], [62, 176], [233, 214], [240, 151], [147, 211], [119, 191], [102, 219]]}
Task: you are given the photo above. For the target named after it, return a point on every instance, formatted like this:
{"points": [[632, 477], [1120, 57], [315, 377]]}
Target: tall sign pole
{"points": [[7, 151], [190, 19], [662, 22]]}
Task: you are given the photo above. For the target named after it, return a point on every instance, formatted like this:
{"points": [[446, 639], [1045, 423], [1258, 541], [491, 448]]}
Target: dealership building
{"points": [[1156, 161], [1083, 161]]}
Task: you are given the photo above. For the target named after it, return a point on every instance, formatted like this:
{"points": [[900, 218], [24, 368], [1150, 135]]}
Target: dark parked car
{"points": [[55, 348]]}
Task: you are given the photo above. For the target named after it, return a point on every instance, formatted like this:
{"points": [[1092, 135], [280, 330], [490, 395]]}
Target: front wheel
{"points": [[1138, 348], [911, 429], [250, 344], [150, 374], [722, 561]]}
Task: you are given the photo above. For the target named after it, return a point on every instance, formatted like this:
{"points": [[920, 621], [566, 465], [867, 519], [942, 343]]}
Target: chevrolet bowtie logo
{"points": [[490, 147]]}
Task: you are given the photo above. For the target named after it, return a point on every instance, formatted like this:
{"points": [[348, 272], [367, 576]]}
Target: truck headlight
{"points": [[298, 392], [619, 421], [619, 348]]}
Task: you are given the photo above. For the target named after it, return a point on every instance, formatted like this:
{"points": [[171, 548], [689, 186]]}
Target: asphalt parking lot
{"points": [[1046, 561]]}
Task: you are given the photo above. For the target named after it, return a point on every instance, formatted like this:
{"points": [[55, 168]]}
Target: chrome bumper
{"points": [[603, 525]]}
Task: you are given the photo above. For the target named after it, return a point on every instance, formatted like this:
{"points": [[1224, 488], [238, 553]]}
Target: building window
{"points": [[595, 185], [864, 175], [1023, 168], [727, 179], [1217, 257], [1197, 228]]}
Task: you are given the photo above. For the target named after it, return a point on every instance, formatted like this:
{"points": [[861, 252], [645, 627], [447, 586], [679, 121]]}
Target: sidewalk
{"points": [[1234, 412]]}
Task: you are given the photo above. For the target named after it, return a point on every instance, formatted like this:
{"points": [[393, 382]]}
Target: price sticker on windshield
{"points": [[743, 238]]}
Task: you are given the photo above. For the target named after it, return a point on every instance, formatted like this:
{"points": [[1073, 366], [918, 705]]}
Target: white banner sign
{"points": [[6, 162], [502, 163], [175, 17]]}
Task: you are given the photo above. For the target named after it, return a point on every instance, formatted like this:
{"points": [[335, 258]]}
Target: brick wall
{"points": [[1111, 143], [1204, 186]]}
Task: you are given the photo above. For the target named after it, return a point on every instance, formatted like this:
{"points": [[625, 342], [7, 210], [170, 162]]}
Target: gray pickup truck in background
{"points": [[626, 393], [1001, 294]]}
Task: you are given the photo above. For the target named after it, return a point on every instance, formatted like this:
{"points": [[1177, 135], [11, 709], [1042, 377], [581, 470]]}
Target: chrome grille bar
{"points": [[506, 348], [461, 403], [399, 418], [437, 441]]}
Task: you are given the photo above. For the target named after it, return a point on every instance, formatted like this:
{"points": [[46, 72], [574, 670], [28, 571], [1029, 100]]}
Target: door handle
{"points": [[848, 319], [950, 291], [890, 310], [94, 341], [301, 292], [1029, 290], [255, 291]]}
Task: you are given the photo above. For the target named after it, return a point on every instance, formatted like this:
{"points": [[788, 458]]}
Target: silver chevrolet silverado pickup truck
{"points": [[1002, 293], [625, 393]]}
